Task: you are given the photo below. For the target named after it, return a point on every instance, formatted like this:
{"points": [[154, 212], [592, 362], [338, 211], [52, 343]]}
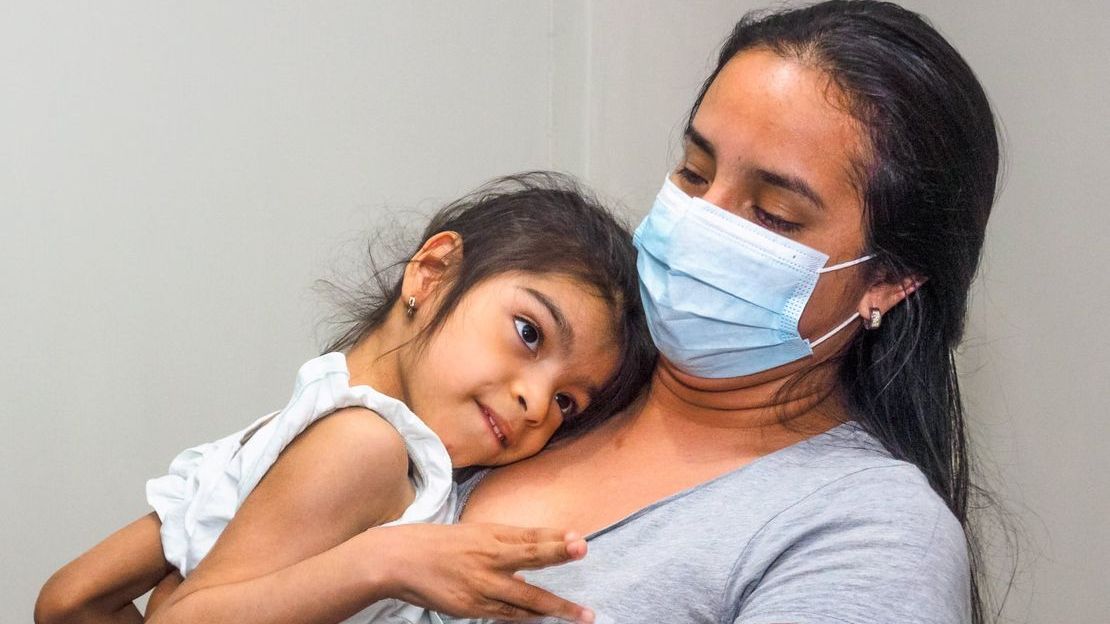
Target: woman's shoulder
{"points": [[854, 517], [892, 499], [846, 477], [850, 534]]}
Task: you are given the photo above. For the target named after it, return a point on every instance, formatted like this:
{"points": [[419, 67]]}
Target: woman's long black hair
{"points": [[927, 186]]}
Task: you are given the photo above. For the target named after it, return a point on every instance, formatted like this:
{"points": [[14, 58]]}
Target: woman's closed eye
{"points": [[774, 222], [694, 180], [690, 177], [529, 333]]}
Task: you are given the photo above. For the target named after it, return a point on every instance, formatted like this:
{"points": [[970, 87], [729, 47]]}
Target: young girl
{"points": [[518, 319]]}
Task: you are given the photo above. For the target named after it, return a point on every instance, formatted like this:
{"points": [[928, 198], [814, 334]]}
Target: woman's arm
{"points": [[101, 585], [297, 549]]}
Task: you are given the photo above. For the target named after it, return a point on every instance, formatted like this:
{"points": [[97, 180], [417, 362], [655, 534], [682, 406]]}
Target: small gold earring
{"points": [[410, 307], [874, 320]]}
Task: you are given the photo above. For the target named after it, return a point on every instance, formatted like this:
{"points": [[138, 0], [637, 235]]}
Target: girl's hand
{"points": [[298, 550], [469, 570]]}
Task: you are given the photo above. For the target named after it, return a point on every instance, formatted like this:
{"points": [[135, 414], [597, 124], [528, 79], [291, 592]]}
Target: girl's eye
{"points": [[773, 222], [567, 405], [529, 334], [689, 177]]}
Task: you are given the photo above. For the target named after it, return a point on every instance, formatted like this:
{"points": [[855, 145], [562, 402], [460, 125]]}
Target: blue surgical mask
{"points": [[723, 295]]}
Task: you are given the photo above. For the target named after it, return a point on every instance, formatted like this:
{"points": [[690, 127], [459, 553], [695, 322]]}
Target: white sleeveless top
{"points": [[207, 483]]}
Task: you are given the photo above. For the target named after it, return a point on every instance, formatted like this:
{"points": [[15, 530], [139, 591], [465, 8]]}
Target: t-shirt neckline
{"points": [[759, 462]]}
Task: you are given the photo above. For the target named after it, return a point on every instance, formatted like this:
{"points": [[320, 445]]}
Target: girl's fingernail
{"points": [[586, 617]]}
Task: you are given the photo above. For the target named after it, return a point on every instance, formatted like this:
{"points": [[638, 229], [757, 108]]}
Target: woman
{"points": [[787, 464]]}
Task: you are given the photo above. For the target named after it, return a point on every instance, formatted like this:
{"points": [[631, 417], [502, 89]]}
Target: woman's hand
{"points": [[469, 570]]}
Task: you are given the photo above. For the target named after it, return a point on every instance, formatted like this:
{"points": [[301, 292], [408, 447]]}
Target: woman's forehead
{"points": [[774, 113]]}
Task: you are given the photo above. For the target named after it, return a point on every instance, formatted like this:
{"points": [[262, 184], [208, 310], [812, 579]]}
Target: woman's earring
{"points": [[410, 307], [874, 320]]}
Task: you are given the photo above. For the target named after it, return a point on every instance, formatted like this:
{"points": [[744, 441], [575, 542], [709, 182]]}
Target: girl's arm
{"points": [[297, 549], [165, 588], [101, 585]]}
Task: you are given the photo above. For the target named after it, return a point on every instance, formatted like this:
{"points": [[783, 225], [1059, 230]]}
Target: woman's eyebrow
{"points": [[784, 181], [790, 183], [698, 139], [566, 332]]}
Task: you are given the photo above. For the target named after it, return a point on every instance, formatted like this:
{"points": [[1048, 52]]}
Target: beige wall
{"points": [[174, 177]]}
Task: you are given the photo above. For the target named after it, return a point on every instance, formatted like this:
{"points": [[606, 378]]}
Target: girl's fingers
{"points": [[528, 601], [536, 556], [539, 548], [532, 535], [576, 546]]}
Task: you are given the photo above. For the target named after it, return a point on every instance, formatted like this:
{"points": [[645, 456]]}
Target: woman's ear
{"points": [[884, 295], [426, 269]]}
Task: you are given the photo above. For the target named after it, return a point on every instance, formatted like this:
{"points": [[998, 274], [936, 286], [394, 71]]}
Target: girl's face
{"points": [[771, 142], [519, 355]]}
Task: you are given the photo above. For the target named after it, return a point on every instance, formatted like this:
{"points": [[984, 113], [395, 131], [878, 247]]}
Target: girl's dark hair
{"points": [[541, 223], [927, 184]]}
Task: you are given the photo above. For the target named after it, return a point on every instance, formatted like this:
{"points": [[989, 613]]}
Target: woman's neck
{"points": [[749, 416]]}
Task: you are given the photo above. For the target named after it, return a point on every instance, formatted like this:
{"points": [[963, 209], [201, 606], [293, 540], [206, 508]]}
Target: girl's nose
{"points": [[529, 395]]}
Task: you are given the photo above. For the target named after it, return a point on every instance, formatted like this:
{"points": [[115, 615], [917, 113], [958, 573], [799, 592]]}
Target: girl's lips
{"points": [[496, 425]]}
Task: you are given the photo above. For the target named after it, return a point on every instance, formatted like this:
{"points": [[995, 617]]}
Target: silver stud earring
{"points": [[874, 320], [410, 307]]}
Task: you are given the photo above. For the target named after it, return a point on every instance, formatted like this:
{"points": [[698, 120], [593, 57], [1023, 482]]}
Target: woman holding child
{"points": [[799, 454], [756, 482]]}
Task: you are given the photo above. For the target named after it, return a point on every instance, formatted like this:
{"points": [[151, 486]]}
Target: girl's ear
{"points": [[885, 295], [426, 270]]}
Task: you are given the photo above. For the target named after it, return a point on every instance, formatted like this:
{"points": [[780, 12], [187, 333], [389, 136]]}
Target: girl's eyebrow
{"points": [[566, 332]]}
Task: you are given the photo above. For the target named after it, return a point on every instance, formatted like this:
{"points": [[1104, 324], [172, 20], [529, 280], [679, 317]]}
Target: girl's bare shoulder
{"points": [[350, 456]]}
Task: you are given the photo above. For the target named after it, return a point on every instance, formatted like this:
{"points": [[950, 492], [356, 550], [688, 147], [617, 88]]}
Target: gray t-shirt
{"points": [[830, 530]]}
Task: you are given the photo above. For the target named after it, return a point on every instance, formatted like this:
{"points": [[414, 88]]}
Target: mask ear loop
{"points": [[845, 265], [855, 315]]}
